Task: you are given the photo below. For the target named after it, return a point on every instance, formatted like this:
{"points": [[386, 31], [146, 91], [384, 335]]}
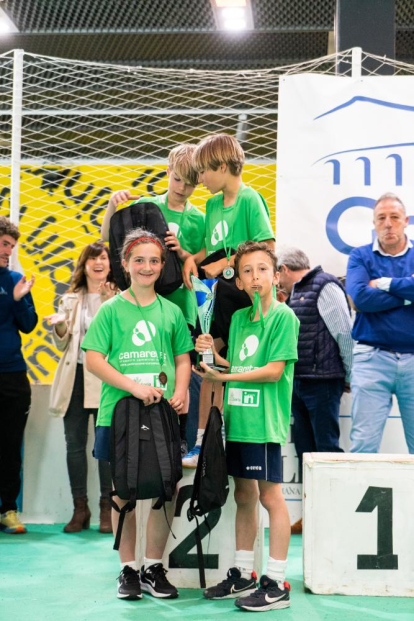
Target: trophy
{"points": [[205, 291]]}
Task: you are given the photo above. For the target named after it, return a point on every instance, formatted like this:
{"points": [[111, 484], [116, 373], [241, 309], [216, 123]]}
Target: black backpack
{"points": [[146, 216], [211, 481], [145, 454]]}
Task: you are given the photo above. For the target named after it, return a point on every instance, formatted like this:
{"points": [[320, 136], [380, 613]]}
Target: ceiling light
{"points": [[233, 14], [223, 3], [7, 26]]}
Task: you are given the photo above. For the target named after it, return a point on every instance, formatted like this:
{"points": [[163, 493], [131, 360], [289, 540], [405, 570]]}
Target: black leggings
{"points": [[76, 433], [15, 397]]}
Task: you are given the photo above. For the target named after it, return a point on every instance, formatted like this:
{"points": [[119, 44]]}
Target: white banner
{"points": [[342, 142]]}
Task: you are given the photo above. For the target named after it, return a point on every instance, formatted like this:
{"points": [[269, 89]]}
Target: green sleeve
{"points": [[99, 334], [284, 340], [181, 340], [200, 242], [259, 222]]}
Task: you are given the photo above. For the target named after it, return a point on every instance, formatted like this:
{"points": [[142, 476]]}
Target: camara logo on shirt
{"points": [[217, 234], [249, 347], [141, 334]]}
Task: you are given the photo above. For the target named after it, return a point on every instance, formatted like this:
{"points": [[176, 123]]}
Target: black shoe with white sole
{"points": [[232, 586], [128, 584], [270, 595], [154, 581]]}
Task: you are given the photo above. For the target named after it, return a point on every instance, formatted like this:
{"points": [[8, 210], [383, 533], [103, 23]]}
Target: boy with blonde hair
{"points": [[185, 228], [236, 213]]}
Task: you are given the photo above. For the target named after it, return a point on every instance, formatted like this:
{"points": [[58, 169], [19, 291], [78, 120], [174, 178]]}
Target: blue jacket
{"points": [[318, 352], [384, 319], [15, 317]]}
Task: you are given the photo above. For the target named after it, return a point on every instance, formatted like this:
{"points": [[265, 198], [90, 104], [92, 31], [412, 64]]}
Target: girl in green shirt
{"points": [[138, 344]]}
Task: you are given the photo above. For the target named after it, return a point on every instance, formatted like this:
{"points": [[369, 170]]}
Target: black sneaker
{"points": [[128, 584], [232, 586], [270, 595], [154, 581]]}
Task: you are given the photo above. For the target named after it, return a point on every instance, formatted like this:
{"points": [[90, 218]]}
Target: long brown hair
{"points": [[78, 280]]}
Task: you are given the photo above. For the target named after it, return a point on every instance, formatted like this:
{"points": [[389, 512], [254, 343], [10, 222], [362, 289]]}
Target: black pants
{"points": [[15, 397], [76, 423], [315, 409]]}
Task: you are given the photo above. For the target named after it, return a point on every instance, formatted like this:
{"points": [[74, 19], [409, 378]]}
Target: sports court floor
{"points": [[49, 576]]}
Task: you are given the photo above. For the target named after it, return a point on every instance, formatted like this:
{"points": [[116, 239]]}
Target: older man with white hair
{"points": [[325, 345], [380, 281]]}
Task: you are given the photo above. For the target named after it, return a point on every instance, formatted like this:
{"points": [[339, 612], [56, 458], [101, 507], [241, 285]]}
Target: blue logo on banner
{"points": [[363, 157]]}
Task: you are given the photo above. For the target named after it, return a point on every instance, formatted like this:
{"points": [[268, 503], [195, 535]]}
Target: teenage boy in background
{"points": [[17, 314], [236, 213], [262, 351]]}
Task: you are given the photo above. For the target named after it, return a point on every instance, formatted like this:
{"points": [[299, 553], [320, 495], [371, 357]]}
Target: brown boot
{"points": [[105, 522], [81, 516], [296, 528]]}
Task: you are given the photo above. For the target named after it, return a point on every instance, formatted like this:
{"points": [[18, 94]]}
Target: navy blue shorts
{"points": [[102, 442], [262, 462]]}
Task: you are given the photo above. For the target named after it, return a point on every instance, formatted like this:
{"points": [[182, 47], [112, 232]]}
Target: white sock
{"points": [[151, 561], [200, 434], [131, 564], [276, 570], [244, 560]]}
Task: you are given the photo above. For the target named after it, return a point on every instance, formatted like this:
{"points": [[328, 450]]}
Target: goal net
{"points": [[73, 132]]}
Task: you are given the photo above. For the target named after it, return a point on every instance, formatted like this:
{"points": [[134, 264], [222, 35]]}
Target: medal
{"points": [[163, 378], [228, 272]]}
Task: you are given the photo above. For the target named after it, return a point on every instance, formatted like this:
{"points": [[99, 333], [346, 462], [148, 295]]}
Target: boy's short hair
{"points": [[180, 160], [217, 149], [8, 228], [252, 246]]}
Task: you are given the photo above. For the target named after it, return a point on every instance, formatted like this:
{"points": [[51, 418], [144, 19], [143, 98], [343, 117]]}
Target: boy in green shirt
{"points": [[185, 221], [185, 235], [262, 351], [236, 213]]}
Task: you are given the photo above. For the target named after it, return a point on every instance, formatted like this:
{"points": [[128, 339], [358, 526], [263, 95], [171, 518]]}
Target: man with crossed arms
{"points": [[380, 283]]}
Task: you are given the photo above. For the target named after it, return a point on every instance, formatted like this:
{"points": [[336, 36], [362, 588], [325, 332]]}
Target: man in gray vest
{"points": [[322, 372]]}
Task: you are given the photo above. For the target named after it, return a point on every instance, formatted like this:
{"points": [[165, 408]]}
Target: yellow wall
{"points": [[61, 212]]}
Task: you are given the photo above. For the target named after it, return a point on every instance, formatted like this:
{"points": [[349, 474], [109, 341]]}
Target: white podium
{"points": [[358, 535], [219, 544]]}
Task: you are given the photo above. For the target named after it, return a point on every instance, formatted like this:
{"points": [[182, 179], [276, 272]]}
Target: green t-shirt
{"points": [[188, 226], [120, 332], [260, 412], [247, 219]]}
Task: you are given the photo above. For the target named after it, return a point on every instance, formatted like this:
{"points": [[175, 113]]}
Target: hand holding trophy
{"points": [[205, 291]]}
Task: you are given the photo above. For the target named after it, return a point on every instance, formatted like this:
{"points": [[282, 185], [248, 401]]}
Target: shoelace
{"points": [[130, 575], [161, 573], [262, 589], [229, 580]]}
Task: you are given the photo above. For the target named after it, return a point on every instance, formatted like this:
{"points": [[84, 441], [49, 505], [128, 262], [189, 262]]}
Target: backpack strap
{"points": [[158, 423], [200, 556], [132, 426]]}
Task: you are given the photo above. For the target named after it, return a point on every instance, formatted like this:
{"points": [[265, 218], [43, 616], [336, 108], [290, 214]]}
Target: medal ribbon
{"points": [[182, 215], [257, 303], [160, 358], [228, 250]]}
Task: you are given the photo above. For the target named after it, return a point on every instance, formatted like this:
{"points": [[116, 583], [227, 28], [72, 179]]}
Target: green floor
{"points": [[47, 575]]}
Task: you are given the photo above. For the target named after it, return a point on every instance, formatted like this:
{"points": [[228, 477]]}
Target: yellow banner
{"points": [[61, 211]]}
